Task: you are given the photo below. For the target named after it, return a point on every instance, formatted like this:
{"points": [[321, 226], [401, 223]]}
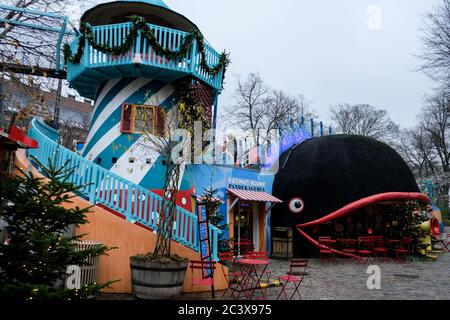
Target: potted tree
{"points": [[159, 274]]}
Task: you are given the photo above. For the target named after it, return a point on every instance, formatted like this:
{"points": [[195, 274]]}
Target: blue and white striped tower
{"points": [[138, 77]]}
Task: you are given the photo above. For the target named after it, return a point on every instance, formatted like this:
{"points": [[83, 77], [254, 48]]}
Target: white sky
{"points": [[323, 49]]}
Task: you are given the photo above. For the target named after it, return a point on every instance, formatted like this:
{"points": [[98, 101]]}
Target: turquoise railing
{"points": [[141, 52], [100, 186]]}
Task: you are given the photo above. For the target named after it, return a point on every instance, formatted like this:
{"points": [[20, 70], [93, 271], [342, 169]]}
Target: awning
{"points": [[256, 196]]}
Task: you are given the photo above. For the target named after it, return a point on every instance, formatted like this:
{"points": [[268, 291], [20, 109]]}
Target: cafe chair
{"points": [[207, 267], [365, 250], [325, 249], [348, 245], [379, 248], [446, 243], [403, 250], [243, 246], [297, 272], [234, 275]]}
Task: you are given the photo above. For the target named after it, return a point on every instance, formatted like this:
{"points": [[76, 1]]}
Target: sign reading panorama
{"points": [[246, 184]]}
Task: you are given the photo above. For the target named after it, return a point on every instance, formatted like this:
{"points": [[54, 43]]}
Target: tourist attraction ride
{"points": [[358, 188]]}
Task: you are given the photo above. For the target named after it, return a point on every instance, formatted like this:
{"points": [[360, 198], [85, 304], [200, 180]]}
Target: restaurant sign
{"points": [[246, 184]]}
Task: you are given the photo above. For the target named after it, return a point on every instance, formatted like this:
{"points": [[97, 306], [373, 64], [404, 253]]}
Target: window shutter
{"points": [[126, 118], [160, 121]]}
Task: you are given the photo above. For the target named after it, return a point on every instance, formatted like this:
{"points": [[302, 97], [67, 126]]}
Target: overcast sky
{"points": [[331, 51]]}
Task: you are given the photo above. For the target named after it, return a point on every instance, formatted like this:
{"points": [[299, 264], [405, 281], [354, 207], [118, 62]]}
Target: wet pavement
{"points": [[347, 280]]}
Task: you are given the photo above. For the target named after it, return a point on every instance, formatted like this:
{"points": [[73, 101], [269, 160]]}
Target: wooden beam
{"points": [[233, 204], [35, 71]]}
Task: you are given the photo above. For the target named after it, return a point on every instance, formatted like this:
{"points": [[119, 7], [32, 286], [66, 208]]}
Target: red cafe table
{"points": [[253, 270]]}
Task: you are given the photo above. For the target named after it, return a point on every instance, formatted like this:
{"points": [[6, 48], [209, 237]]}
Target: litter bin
{"points": [[282, 243], [87, 273]]}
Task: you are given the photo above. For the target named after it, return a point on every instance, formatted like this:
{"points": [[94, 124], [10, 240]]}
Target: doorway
{"points": [[243, 222]]}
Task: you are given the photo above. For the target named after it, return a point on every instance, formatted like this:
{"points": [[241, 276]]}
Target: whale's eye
{"points": [[296, 205]]}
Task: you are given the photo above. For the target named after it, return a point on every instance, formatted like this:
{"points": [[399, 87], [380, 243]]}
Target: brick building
{"points": [[28, 101]]}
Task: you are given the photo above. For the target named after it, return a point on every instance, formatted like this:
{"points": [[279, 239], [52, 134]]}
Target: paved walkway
{"points": [[342, 280]]}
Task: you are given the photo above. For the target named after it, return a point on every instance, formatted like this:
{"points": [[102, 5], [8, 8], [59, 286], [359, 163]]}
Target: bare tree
{"points": [[416, 147], [249, 111], [364, 120], [259, 109], [436, 43], [435, 119]]}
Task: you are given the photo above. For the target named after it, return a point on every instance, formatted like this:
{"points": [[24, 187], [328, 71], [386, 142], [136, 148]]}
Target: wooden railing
{"points": [[101, 187]]}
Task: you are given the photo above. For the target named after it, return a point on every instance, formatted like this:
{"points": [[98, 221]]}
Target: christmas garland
{"points": [[139, 23]]}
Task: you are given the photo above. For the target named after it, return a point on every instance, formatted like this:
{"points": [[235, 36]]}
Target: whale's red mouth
{"points": [[350, 208]]}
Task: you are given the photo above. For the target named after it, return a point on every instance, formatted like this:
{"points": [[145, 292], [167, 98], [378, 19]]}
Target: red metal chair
{"points": [[234, 275], [379, 247], [204, 267], [348, 245], [365, 248], [446, 243], [297, 267], [325, 250], [403, 250], [243, 246]]}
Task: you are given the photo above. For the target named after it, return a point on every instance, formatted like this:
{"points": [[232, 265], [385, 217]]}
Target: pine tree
{"points": [[214, 216], [38, 253], [212, 208]]}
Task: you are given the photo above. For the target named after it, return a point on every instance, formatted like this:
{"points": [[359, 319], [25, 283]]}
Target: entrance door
{"points": [[243, 223]]}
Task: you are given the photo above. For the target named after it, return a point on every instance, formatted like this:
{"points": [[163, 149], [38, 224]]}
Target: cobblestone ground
{"points": [[347, 280]]}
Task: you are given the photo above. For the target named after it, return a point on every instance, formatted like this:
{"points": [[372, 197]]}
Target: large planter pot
{"points": [[155, 280]]}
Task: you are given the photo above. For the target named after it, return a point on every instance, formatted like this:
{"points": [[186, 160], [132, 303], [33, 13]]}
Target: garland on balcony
{"points": [[139, 24]]}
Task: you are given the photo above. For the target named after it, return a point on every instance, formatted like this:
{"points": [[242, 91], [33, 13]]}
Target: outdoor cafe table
{"points": [[252, 270]]}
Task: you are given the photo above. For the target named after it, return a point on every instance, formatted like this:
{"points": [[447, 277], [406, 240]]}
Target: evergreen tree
{"points": [[214, 216], [212, 208], [34, 261], [406, 220]]}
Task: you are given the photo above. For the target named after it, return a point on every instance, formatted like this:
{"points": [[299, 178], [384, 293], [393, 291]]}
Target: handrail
{"points": [[103, 187], [141, 52]]}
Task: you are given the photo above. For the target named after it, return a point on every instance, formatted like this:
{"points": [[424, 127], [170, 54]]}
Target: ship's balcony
{"points": [[141, 60]]}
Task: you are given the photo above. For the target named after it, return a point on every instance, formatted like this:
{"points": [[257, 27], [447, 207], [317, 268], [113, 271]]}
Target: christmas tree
{"points": [[34, 261], [406, 220], [214, 216]]}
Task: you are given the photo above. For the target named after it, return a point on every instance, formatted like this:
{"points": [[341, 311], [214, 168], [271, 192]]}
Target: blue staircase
{"points": [[101, 187]]}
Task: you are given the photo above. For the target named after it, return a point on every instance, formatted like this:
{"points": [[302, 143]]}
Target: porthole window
{"points": [[296, 205]]}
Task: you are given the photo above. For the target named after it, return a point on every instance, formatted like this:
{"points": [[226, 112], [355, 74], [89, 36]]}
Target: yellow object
{"points": [[426, 226], [275, 283], [426, 241]]}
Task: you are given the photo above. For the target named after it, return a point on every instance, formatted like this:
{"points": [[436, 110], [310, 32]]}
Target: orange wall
{"points": [[130, 239]]}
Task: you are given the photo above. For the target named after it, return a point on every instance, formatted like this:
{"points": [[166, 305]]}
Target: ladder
{"points": [[205, 244]]}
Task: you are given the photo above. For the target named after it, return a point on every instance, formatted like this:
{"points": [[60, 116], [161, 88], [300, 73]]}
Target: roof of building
{"points": [[69, 102], [155, 11]]}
